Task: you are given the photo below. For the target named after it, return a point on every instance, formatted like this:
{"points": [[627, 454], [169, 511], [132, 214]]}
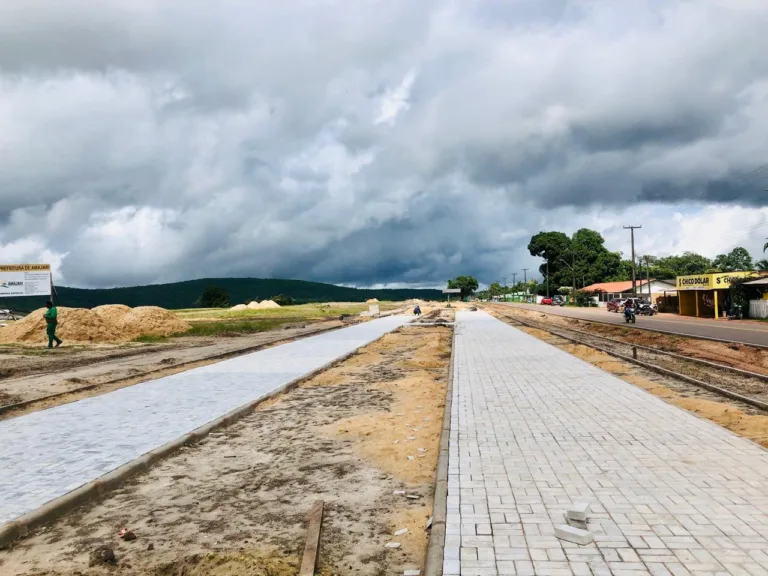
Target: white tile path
{"points": [[46, 454], [534, 429]]}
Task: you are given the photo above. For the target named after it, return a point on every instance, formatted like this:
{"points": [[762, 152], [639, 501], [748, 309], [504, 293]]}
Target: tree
{"points": [[495, 289], [214, 297], [765, 247], [467, 285], [736, 260], [282, 300], [762, 265], [582, 259]]}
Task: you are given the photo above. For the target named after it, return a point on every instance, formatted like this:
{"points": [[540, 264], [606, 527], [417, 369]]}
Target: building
{"points": [[706, 295], [607, 291]]}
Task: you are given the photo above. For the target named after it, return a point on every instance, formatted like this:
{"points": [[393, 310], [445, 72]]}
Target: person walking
{"points": [[52, 320]]}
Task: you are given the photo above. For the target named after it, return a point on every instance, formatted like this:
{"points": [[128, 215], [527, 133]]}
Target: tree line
{"points": [[583, 259]]}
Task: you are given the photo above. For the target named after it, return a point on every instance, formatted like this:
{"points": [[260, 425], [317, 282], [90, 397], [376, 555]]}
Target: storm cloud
{"points": [[371, 142]]}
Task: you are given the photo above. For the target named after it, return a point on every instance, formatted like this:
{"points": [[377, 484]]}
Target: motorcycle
{"points": [[629, 315], [646, 310], [736, 313]]}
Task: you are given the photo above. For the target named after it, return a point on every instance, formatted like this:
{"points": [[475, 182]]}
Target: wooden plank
{"points": [[312, 548]]}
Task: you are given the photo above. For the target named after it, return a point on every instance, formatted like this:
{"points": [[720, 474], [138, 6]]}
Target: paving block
{"points": [[579, 511], [575, 535]]}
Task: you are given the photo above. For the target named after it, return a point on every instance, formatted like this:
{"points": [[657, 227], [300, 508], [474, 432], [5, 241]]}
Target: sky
{"points": [[374, 143]]}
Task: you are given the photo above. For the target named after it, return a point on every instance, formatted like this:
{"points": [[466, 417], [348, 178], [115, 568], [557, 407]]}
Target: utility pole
{"points": [[634, 273], [514, 280], [648, 278], [547, 277], [525, 279]]}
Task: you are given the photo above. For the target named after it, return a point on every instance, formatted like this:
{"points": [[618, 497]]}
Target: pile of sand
{"points": [[75, 325], [103, 324], [372, 301], [264, 304], [239, 307], [151, 321]]}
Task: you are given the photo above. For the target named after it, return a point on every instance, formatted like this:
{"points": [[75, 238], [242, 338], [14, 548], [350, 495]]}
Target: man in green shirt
{"points": [[52, 320]]}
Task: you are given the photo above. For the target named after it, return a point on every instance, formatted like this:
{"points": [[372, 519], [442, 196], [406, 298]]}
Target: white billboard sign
{"points": [[451, 290], [25, 280]]}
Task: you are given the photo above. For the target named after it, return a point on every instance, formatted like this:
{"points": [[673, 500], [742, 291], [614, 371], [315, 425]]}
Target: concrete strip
{"points": [[436, 545], [22, 526], [659, 370], [148, 375]]}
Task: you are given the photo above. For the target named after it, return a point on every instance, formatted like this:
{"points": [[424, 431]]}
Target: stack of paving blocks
{"points": [[576, 528]]}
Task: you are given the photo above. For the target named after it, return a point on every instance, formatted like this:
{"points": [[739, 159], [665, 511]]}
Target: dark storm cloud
{"points": [[361, 142]]}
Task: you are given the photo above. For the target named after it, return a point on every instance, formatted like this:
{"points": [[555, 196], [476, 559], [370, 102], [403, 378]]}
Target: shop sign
{"points": [[709, 281]]}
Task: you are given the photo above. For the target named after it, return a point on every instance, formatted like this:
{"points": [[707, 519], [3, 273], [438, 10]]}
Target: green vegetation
{"points": [[467, 285], [214, 297], [240, 290], [582, 260], [236, 327], [737, 259], [289, 313]]}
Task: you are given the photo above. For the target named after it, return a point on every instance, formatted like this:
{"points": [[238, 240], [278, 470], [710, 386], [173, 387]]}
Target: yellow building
{"points": [[704, 295]]}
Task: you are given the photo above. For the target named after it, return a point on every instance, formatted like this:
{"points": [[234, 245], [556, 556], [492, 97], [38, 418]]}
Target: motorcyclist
{"points": [[628, 306]]}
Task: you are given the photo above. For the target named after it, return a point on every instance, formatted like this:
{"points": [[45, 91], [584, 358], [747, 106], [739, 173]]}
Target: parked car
{"points": [[546, 301], [558, 301], [616, 304]]}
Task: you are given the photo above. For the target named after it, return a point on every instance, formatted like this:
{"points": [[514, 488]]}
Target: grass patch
{"points": [[292, 313], [236, 327]]}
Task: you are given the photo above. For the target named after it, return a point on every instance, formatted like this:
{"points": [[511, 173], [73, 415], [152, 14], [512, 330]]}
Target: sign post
{"points": [[450, 291]]}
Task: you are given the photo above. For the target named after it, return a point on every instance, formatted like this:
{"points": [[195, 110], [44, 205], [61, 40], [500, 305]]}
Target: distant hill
{"points": [[187, 294]]}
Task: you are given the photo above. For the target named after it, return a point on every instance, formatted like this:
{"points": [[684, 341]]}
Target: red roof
{"points": [[615, 287]]}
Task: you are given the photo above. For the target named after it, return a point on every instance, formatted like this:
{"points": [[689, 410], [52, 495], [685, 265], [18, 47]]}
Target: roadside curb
{"points": [[22, 526], [436, 545], [215, 358]]}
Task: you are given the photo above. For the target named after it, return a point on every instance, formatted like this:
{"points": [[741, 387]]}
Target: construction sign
{"points": [[25, 280]]}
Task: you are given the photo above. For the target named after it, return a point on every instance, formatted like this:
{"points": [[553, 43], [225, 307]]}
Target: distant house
{"points": [[607, 291]]}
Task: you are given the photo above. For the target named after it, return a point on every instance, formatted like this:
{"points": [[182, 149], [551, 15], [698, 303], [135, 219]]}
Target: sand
{"points": [[264, 304], [372, 301], [75, 325], [103, 324], [236, 503], [151, 321], [239, 307]]}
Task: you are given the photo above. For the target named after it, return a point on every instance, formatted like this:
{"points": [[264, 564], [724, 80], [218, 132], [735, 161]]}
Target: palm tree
{"points": [[762, 265], [765, 246]]}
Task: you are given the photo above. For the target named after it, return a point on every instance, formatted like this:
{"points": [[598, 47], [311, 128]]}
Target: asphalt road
{"points": [[748, 332]]}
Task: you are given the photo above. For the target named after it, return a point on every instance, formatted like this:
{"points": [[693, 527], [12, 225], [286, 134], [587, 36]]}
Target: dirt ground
{"points": [[737, 417], [740, 356], [28, 373], [356, 436]]}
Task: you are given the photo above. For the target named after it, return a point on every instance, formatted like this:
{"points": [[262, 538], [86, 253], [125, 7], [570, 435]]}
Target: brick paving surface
{"points": [[535, 429], [49, 453]]}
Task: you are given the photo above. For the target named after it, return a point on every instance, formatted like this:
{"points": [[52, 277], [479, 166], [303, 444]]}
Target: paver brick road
{"points": [[535, 429], [49, 453]]}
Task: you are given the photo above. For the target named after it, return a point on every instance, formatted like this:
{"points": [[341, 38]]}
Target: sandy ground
{"points": [[26, 374], [737, 417], [740, 356], [236, 503]]}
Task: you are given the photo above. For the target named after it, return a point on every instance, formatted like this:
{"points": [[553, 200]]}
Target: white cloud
{"points": [[395, 101]]}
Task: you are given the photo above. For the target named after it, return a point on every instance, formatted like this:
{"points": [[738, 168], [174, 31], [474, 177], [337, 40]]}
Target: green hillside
{"points": [[187, 294]]}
